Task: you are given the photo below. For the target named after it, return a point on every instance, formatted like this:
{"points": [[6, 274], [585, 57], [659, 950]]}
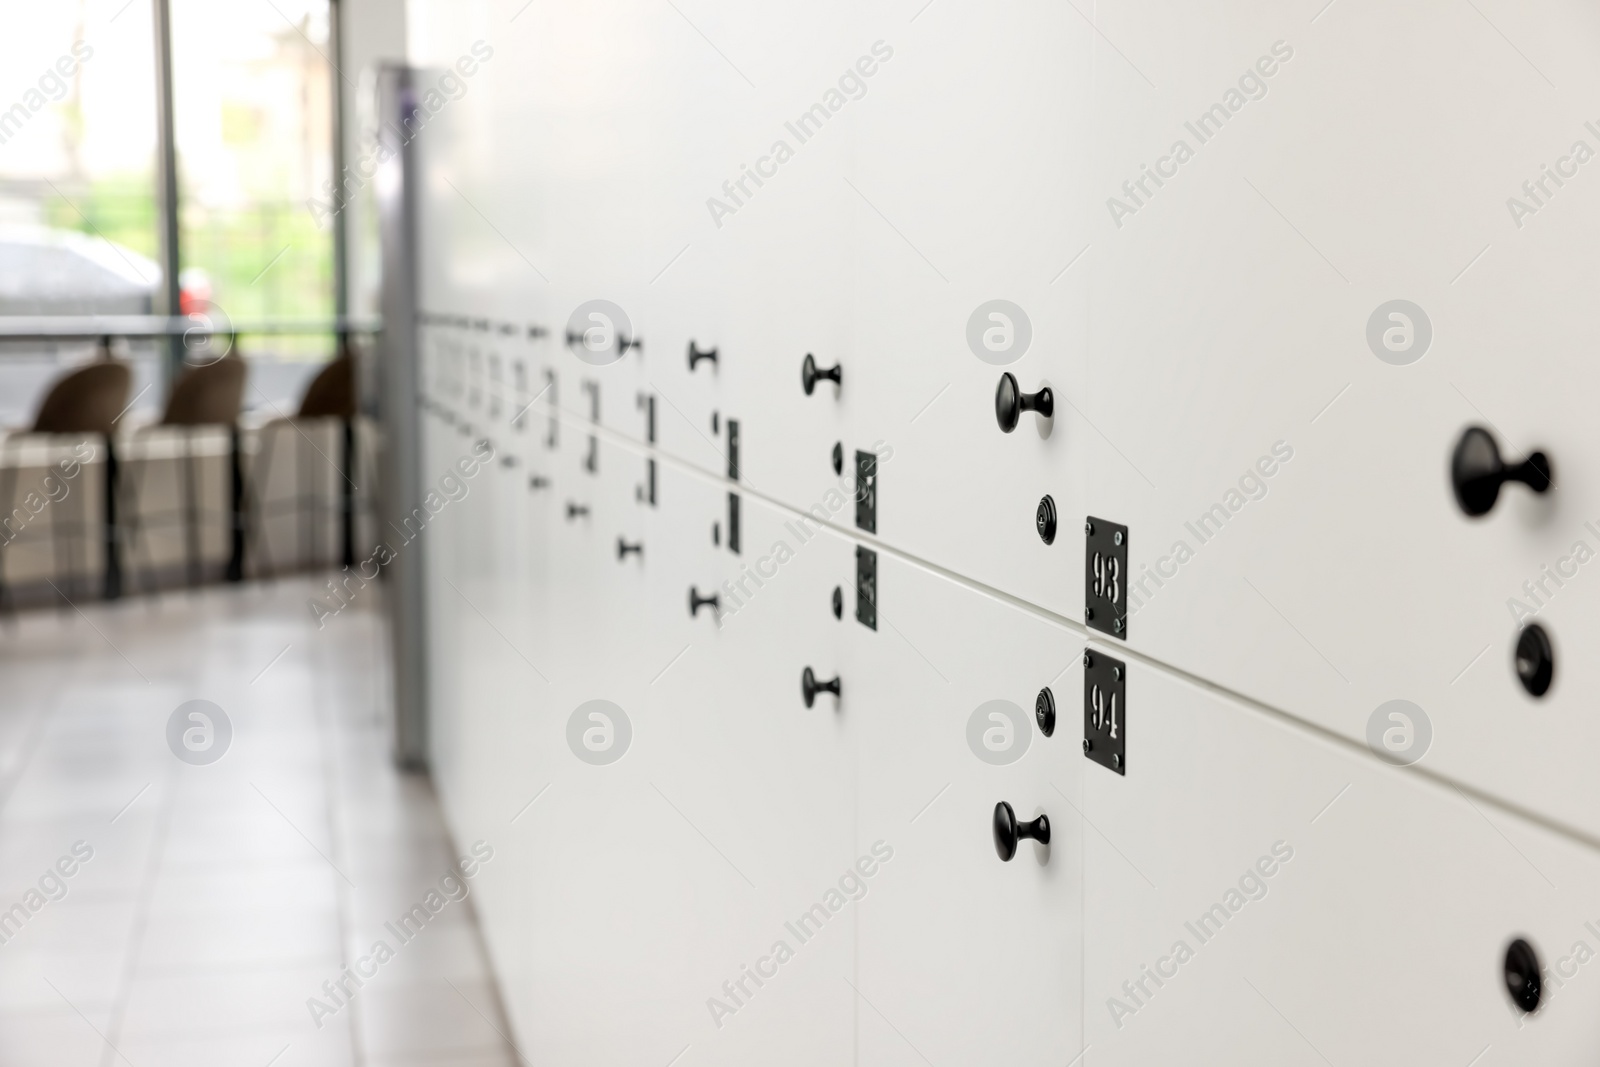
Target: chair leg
{"points": [[347, 498], [113, 578], [235, 506]]}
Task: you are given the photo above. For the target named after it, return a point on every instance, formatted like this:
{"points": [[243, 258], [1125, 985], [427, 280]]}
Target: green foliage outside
{"points": [[233, 246]]}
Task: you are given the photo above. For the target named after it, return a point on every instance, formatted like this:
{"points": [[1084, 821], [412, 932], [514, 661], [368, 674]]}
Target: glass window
{"points": [[254, 113], [77, 192]]}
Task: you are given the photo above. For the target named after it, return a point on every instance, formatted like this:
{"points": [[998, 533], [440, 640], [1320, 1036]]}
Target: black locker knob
{"points": [[838, 602], [1010, 402], [536, 481], [810, 374], [1536, 660], [838, 457], [623, 548], [695, 355], [1477, 472], [810, 687], [624, 342], [574, 510], [696, 602], [1523, 981], [1008, 831]]}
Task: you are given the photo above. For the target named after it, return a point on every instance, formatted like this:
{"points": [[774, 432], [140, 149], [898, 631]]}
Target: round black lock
{"points": [[1522, 975], [1536, 660], [1044, 711], [1044, 520], [838, 602]]}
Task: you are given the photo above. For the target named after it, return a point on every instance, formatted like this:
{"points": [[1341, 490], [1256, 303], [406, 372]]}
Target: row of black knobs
{"points": [[810, 373], [1477, 470]]}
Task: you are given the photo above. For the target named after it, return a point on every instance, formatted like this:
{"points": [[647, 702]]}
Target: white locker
{"points": [[1374, 930], [962, 199], [769, 788], [965, 958], [1295, 535]]}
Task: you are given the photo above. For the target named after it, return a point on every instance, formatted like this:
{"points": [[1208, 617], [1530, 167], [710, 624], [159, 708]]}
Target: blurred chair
{"points": [[207, 396], [83, 403], [330, 396]]}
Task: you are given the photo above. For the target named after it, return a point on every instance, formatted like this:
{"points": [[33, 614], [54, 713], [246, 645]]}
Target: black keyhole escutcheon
{"points": [[1523, 982], [1535, 660]]}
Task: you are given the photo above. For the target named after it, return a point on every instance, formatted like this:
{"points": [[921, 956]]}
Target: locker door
{"points": [[1295, 534], [784, 266], [965, 958], [968, 216], [688, 851], [555, 770], [756, 248], [767, 784], [1262, 894]]}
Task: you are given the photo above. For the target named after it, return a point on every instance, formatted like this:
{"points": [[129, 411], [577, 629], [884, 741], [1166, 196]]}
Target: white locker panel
{"points": [[959, 199], [965, 958], [1373, 931], [1293, 528], [768, 784]]}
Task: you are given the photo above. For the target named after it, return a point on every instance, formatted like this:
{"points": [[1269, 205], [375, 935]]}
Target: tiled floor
{"points": [[220, 898]]}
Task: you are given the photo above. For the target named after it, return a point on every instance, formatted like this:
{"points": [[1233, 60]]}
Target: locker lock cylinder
{"points": [[1044, 711], [1044, 519]]}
